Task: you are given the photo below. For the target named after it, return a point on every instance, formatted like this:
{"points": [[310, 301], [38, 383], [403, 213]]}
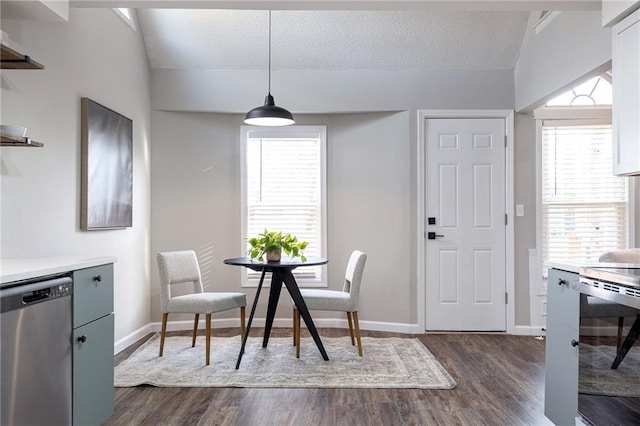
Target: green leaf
{"points": [[272, 240]]}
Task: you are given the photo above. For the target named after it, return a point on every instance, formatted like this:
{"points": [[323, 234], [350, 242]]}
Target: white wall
{"points": [[331, 91], [196, 202], [194, 170], [525, 193], [573, 45], [371, 159], [96, 55]]}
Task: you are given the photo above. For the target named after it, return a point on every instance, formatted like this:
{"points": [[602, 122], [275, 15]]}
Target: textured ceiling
{"points": [[333, 40]]}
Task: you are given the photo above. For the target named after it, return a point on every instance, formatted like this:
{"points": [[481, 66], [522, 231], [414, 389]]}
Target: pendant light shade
{"points": [[269, 114]]}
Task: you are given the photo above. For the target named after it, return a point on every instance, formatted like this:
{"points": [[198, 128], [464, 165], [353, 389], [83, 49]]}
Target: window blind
{"points": [[284, 191], [584, 206]]}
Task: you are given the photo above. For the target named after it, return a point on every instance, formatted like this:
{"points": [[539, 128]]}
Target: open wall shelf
{"points": [[11, 59], [15, 141]]}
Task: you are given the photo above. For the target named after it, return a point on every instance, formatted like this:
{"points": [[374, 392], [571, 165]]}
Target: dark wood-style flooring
{"points": [[500, 382]]}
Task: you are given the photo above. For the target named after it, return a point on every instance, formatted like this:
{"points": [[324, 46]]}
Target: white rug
{"points": [[598, 378], [387, 363]]}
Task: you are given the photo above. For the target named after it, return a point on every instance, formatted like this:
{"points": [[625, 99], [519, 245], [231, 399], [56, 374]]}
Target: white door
{"points": [[466, 197]]}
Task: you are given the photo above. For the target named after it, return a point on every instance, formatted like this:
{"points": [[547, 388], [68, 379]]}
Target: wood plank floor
{"points": [[500, 382]]}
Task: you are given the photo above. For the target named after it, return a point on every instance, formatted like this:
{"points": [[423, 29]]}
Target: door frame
{"points": [[421, 227]]}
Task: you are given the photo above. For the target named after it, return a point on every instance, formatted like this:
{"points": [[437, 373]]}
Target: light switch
{"points": [[519, 210]]}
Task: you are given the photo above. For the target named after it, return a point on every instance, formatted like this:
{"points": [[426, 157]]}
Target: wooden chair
{"points": [[346, 300], [182, 267]]}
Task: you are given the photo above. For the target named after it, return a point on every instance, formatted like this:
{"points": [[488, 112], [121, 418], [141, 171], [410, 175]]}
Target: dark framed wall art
{"points": [[107, 168]]}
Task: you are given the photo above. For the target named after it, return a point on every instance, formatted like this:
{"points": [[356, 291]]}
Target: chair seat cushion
{"points": [[327, 300], [206, 303]]}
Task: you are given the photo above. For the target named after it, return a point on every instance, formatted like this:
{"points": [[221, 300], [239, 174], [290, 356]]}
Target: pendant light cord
{"points": [[269, 51]]}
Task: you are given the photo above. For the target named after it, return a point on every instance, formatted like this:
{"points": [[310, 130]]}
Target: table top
{"points": [[285, 263]]}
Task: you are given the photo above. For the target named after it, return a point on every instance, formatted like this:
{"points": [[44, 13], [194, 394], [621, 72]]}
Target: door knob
{"points": [[433, 235], [82, 339], [574, 343]]}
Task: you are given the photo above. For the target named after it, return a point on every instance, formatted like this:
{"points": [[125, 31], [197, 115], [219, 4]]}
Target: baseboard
{"points": [[154, 327], [391, 327], [287, 322], [131, 338], [528, 330]]}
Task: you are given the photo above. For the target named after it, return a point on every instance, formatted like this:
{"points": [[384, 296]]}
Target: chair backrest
{"points": [[353, 276], [177, 267], [621, 256]]}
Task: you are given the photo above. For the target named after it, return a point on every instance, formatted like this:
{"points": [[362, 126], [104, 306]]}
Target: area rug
{"points": [[387, 363], [597, 377]]}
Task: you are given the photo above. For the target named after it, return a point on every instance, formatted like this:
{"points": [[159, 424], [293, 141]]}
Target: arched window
{"points": [[596, 91]]}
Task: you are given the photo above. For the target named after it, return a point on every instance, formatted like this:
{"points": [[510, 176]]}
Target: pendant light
{"points": [[269, 114]]}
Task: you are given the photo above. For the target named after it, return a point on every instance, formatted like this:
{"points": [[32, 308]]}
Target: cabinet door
{"points": [[563, 299], [561, 358], [93, 372], [561, 375], [626, 96], [92, 294]]}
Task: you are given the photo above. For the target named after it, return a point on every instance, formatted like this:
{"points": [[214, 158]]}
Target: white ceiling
{"points": [[431, 39], [335, 34]]}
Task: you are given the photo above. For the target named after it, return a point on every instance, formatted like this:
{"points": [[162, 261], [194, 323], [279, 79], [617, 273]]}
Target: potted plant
{"points": [[271, 244]]}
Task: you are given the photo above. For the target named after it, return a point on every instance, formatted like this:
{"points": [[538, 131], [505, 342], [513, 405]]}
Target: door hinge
{"points": [[505, 141], [506, 219], [506, 298]]}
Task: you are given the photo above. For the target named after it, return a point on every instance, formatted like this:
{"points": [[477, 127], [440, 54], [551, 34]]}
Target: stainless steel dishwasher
{"points": [[35, 318]]}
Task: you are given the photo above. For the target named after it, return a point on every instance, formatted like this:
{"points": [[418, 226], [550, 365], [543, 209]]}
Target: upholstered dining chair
{"points": [[346, 300], [179, 267], [593, 307]]}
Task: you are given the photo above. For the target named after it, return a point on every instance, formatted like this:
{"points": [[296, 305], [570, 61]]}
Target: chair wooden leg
{"points": [[208, 325], [357, 327], [620, 327], [163, 332], [353, 342], [242, 321], [293, 318], [195, 330], [297, 332]]}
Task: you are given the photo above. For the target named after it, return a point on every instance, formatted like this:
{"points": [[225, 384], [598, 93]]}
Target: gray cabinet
{"points": [[93, 345], [561, 351]]}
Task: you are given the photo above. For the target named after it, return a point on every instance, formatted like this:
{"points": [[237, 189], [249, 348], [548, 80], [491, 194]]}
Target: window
{"points": [[284, 189], [585, 208], [596, 91]]}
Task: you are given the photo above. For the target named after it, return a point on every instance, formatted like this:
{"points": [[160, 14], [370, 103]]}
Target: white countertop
{"points": [[571, 266], [24, 269]]}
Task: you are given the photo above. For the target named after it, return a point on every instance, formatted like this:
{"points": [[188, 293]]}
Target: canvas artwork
{"points": [[107, 168]]}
